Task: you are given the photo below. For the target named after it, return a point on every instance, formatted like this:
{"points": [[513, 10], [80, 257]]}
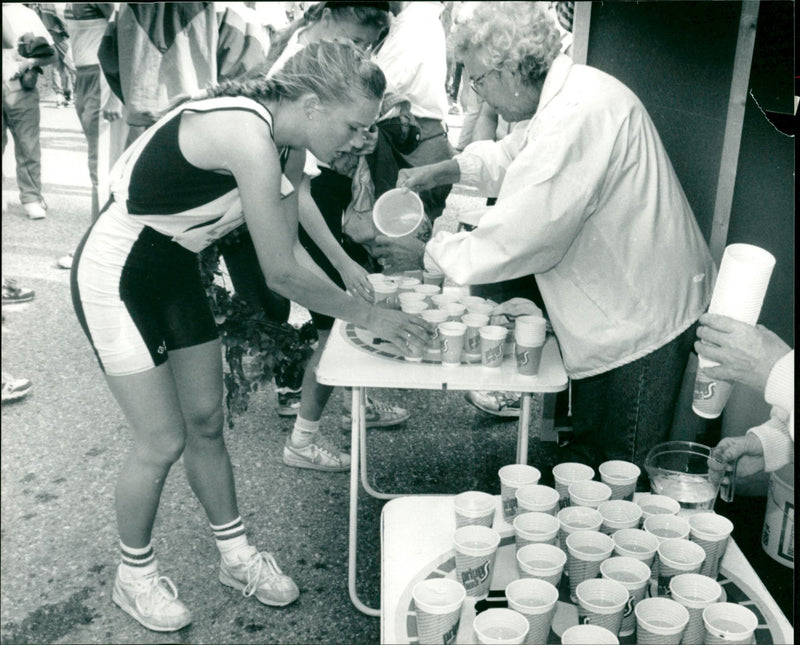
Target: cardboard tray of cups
{"points": [[739, 582]]}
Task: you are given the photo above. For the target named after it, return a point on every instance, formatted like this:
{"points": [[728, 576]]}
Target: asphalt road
{"points": [[63, 446]]}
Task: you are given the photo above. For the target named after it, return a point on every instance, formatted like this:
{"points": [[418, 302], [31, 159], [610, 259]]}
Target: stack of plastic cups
{"points": [[710, 531], [660, 621], [474, 508], [619, 514], [632, 574], [588, 493], [542, 561], [529, 335], [728, 623], [472, 338], [512, 477], [569, 473], [621, 476], [695, 592], [586, 550], [537, 498], [536, 600], [739, 292], [500, 626], [602, 602], [535, 528], [438, 607]]}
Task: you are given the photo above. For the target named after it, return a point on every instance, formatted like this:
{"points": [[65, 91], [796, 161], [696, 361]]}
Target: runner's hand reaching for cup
{"points": [[404, 331], [355, 280]]}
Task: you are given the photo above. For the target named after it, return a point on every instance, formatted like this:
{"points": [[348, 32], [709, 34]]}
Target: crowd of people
{"points": [[274, 133]]}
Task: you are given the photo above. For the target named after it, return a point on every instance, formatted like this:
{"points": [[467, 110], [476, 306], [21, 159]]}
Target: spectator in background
{"points": [[62, 72], [27, 47]]}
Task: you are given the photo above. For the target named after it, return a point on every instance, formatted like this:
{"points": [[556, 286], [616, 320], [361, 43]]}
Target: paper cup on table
{"points": [[588, 493], [635, 543], [660, 621], [485, 308], [455, 310], [588, 635], [676, 557], [441, 300], [471, 300], [398, 212], [537, 498], [385, 295], [577, 518], [474, 508], [536, 600], [657, 505], [710, 531], [476, 548], [492, 340], [412, 296], [472, 337], [602, 602], [665, 527], [695, 592], [632, 574], [406, 285], [535, 528], [619, 514], [435, 317], [586, 550], [434, 278], [438, 607], [528, 358], [728, 623], [413, 307], [498, 626], [621, 476], [569, 473], [452, 335], [709, 395], [413, 273], [512, 477], [428, 290], [541, 561], [529, 336], [375, 278]]}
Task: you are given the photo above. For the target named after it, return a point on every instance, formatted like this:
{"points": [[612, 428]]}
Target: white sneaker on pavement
{"points": [[152, 600], [257, 574], [35, 210], [65, 262], [320, 454]]}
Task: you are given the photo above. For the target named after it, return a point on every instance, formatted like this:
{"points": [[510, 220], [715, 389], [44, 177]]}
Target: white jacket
{"points": [[589, 202]]}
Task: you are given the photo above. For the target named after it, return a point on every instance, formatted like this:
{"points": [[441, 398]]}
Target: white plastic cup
{"points": [[492, 340], [632, 574], [536, 600], [710, 531], [500, 626], [438, 607], [375, 278], [413, 307], [621, 476], [710, 395], [385, 295], [602, 602], [541, 561], [665, 527], [588, 493], [452, 335], [435, 278], [485, 308], [535, 528], [474, 508], [455, 310], [657, 505], [397, 212], [635, 543], [619, 514], [472, 338], [537, 498], [695, 592], [476, 548], [676, 557], [568, 473], [512, 477], [660, 621], [727, 623], [586, 550], [471, 300], [588, 635], [429, 290], [411, 296], [441, 300], [435, 317], [577, 518], [406, 284]]}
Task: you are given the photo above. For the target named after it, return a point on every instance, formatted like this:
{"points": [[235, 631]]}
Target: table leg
{"points": [[358, 429], [524, 426]]}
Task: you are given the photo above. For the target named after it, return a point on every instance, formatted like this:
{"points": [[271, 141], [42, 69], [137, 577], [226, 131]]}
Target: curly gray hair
{"points": [[520, 35]]}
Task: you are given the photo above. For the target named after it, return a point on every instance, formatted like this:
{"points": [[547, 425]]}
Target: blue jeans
{"points": [[21, 116], [623, 413]]}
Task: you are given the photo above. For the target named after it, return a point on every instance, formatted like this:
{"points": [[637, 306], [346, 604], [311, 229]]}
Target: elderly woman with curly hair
{"points": [[588, 202]]}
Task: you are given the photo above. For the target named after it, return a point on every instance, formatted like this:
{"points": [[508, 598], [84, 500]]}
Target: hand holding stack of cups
{"points": [[613, 550]]}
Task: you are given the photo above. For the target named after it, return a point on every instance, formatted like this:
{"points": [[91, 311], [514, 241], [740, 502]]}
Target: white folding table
{"points": [[351, 360]]}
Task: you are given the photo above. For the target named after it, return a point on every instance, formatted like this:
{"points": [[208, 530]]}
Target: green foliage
{"points": [[256, 348]]}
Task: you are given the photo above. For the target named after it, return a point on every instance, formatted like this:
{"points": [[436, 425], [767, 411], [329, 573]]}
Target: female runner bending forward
{"points": [[205, 167]]}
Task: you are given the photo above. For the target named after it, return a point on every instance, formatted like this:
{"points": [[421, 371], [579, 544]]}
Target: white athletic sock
{"points": [[231, 538], [303, 432], [137, 562]]}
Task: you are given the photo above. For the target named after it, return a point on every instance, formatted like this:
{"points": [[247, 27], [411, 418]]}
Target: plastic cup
{"points": [[429, 290], [397, 212], [676, 557], [569, 473], [728, 623], [621, 476], [588, 493], [476, 548], [471, 300], [536, 600], [385, 295], [435, 278], [499, 626], [474, 508], [413, 273], [472, 337], [709, 395], [492, 339], [411, 296], [586, 550], [632, 574], [413, 307], [406, 284], [695, 592], [512, 477], [619, 514], [535, 528], [433, 351], [542, 561], [710, 531], [537, 498], [635, 543], [577, 518], [588, 635], [528, 358], [438, 606], [530, 328], [660, 621], [665, 527], [452, 335], [602, 602], [375, 278], [485, 308], [744, 274], [455, 310], [657, 505], [441, 300]]}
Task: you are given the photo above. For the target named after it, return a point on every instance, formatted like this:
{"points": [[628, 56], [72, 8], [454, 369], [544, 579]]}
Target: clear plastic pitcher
{"points": [[680, 470]]}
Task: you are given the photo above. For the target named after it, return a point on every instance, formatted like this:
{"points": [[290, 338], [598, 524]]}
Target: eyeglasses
{"points": [[476, 82]]}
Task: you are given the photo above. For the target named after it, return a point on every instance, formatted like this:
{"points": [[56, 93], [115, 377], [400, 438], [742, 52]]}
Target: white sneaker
{"points": [[257, 574], [320, 454], [35, 210], [152, 600], [65, 262]]}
